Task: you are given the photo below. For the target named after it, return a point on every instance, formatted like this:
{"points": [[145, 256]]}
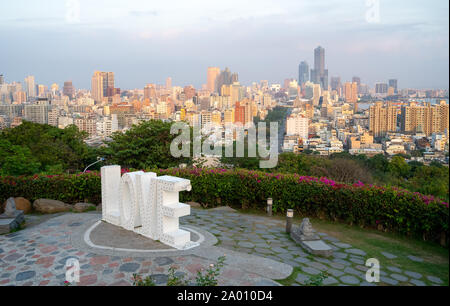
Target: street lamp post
{"points": [[99, 159]]}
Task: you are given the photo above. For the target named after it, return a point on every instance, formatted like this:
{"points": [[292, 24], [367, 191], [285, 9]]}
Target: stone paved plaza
{"points": [[37, 254]]}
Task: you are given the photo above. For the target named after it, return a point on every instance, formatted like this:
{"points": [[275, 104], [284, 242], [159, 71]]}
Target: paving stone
{"points": [[414, 258], [394, 269], [301, 278], [356, 252], [435, 279], [350, 270], [388, 255], [310, 270], [163, 261], [335, 273], [22, 276], [318, 266], [357, 260], [301, 259], [160, 279], [279, 250], [388, 281], [340, 255], [330, 281], [342, 245], [340, 262], [264, 251], [129, 267], [322, 260], [332, 239], [349, 279], [417, 282], [362, 268], [413, 274], [399, 277], [246, 244]]}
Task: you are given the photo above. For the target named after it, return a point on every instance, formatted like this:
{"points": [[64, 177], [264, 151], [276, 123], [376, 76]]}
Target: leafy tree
{"points": [[144, 146], [430, 180], [16, 160], [378, 162], [51, 146], [399, 167]]}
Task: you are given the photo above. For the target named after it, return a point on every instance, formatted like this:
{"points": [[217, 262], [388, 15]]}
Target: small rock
{"points": [[47, 206], [83, 207]]}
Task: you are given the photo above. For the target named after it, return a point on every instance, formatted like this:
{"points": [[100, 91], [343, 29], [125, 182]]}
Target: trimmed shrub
{"points": [[391, 209]]}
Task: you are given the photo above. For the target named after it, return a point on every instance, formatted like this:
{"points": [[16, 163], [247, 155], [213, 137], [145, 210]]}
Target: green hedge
{"points": [[391, 209]]}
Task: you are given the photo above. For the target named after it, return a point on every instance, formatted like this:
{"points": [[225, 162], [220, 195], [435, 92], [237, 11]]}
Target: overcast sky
{"points": [[146, 41]]}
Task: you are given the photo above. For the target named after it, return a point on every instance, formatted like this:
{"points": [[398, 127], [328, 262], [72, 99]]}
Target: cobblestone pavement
{"points": [[37, 255], [266, 237]]}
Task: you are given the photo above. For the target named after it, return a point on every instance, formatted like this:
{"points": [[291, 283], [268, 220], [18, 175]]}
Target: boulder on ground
{"points": [[82, 207], [21, 204], [47, 206]]}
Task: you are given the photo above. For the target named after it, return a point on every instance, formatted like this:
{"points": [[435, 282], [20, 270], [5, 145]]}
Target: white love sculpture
{"points": [[146, 204]]}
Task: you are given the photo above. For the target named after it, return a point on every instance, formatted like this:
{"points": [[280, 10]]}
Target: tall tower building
{"points": [[108, 83], [30, 86], [224, 78], [319, 75], [382, 119], [169, 83], [394, 84], [335, 83], [213, 73], [97, 87], [68, 89], [351, 92], [303, 73], [2, 79]]}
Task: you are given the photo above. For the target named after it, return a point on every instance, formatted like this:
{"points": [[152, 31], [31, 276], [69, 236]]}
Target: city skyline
{"points": [[266, 42]]}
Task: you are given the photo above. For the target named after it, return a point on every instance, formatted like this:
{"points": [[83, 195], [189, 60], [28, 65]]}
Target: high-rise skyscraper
{"points": [[108, 83], [224, 78], [30, 86], [97, 86], [213, 73], [351, 92], [381, 88], [2, 79], [303, 73], [394, 84], [382, 119], [68, 89], [335, 83], [169, 83], [319, 75]]}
